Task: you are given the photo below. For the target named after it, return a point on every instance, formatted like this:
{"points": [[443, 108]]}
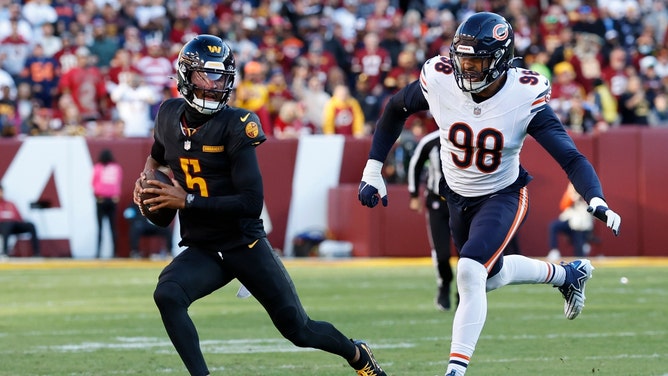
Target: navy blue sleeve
{"points": [[401, 105], [546, 128]]}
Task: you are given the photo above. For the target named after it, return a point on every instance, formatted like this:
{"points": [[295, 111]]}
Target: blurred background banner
{"points": [[311, 183]]}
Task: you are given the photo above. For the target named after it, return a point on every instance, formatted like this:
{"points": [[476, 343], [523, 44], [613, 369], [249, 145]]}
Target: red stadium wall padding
{"points": [[352, 222], [405, 230], [630, 161], [653, 187], [8, 149], [545, 190], [392, 231], [277, 163], [355, 155], [618, 168], [48, 247]]}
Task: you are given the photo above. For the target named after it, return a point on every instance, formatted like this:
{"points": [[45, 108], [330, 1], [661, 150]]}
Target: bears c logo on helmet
{"points": [[500, 32]]}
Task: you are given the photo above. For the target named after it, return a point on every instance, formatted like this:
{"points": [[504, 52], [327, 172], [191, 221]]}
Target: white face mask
{"points": [[206, 107], [476, 86], [470, 85]]}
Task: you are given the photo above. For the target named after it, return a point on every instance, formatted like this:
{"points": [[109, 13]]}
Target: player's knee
{"points": [[292, 326], [170, 294], [471, 275], [299, 338]]}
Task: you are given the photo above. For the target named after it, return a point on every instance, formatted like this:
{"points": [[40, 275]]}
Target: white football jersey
{"points": [[481, 142]]}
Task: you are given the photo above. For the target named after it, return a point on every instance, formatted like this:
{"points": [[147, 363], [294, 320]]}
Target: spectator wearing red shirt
{"points": [[67, 55], [85, 84], [271, 49], [288, 123], [120, 68], [564, 89], [279, 92], [371, 60], [614, 74], [407, 70], [183, 30], [11, 223], [320, 61], [343, 114], [383, 14]]}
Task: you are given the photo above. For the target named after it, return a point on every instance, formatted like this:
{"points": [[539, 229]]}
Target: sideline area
{"points": [[66, 263]]}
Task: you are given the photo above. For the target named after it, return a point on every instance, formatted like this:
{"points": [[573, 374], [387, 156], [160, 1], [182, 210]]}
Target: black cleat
{"points": [[443, 300], [370, 367]]}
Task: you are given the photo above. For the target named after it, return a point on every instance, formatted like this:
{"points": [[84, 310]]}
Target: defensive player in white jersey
{"points": [[485, 108]]}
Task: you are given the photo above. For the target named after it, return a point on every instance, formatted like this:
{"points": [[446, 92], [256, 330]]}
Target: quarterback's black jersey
{"points": [[216, 163]]}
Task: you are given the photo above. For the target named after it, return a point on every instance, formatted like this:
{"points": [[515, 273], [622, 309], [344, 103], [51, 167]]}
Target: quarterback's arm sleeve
{"points": [[158, 153], [158, 148], [246, 176], [401, 105], [550, 133]]}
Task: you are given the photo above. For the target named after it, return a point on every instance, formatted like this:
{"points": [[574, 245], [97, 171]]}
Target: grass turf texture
{"points": [[98, 318]]}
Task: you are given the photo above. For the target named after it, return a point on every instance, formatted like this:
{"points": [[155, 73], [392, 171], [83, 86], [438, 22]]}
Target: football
{"points": [[162, 217]]}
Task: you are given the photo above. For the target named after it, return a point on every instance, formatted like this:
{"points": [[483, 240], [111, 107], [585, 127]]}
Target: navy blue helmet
{"points": [[486, 36]]}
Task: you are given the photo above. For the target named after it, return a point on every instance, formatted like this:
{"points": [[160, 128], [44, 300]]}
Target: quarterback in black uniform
{"points": [[210, 149]]}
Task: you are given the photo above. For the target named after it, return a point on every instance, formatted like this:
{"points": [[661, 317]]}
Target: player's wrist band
{"points": [[190, 198]]}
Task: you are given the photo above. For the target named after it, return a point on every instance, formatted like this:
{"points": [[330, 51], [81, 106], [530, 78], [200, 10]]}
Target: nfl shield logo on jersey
{"points": [[477, 110]]}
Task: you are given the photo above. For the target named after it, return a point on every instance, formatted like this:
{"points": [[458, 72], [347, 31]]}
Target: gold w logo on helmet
{"points": [[214, 49]]}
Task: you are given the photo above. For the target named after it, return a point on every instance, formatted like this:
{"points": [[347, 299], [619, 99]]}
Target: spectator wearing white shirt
{"points": [[14, 50], [38, 13], [155, 67], [51, 42], [13, 13], [133, 101]]}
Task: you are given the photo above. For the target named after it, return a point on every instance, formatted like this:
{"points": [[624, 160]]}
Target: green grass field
{"points": [[98, 318]]}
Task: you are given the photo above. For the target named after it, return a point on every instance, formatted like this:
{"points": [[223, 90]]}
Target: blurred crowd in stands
{"points": [[100, 68]]}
